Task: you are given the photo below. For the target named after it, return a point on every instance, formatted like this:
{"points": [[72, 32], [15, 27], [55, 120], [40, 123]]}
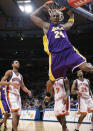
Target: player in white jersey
{"points": [[81, 87], [14, 92], [60, 88]]}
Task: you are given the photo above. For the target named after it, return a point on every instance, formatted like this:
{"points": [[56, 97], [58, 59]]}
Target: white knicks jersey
{"points": [[59, 89], [15, 78], [83, 87]]}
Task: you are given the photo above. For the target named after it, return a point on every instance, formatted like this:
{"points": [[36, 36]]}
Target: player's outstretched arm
{"points": [[49, 86], [70, 22], [24, 88], [49, 91], [90, 92], [38, 21], [67, 87], [74, 89]]}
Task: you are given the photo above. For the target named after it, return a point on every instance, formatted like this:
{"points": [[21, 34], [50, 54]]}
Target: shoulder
{"points": [[75, 81], [8, 72], [86, 79]]}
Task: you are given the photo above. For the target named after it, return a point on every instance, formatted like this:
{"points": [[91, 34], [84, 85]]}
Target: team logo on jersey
{"points": [[16, 80], [58, 84], [83, 84]]}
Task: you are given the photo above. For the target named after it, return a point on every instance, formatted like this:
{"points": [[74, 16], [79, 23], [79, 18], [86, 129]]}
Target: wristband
{"points": [[71, 20]]}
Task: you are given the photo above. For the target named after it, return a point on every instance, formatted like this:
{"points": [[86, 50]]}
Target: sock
{"points": [[78, 126], [91, 125]]}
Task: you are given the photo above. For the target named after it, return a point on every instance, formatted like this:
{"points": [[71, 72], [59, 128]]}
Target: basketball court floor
{"points": [[25, 125]]}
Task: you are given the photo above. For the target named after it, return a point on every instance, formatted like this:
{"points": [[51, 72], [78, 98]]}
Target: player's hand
{"points": [[29, 93]]}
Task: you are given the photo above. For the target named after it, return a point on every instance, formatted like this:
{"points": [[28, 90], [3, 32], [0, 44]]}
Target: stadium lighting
{"points": [[28, 8], [25, 6], [21, 8]]}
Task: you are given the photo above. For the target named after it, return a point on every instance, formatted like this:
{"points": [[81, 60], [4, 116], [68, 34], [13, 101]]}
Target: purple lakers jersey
{"points": [[4, 102], [3, 92], [56, 39]]}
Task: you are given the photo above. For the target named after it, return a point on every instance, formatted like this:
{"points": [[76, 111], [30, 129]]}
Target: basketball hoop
{"points": [[54, 6]]}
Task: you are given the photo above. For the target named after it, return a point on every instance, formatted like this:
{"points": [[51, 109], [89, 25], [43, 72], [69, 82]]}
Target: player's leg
{"points": [[14, 120], [19, 111], [88, 67], [82, 116], [62, 121], [6, 116], [82, 109], [92, 122], [90, 110], [6, 112], [18, 117], [17, 122], [14, 102]]}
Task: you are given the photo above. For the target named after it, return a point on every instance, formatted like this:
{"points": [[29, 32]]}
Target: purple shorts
{"points": [[4, 106], [66, 60]]}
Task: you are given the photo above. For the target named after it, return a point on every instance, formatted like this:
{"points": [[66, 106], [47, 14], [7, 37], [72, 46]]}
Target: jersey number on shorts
{"points": [[58, 34], [57, 89]]}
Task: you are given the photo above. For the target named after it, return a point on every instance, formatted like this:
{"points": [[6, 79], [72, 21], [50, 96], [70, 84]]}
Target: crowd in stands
{"points": [[38, 95], [38, 101]]}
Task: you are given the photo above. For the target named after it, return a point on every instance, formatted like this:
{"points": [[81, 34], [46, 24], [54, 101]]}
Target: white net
{"points": [[54, 7]]}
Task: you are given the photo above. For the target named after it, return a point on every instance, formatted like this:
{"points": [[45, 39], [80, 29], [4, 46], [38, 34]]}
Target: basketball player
{"points": [[4, 103], [14, 92], [81, 87], [61, 91], [62, 55]]}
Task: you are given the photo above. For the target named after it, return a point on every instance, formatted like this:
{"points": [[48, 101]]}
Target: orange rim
{"points": [[63, 8], [49, 2]]}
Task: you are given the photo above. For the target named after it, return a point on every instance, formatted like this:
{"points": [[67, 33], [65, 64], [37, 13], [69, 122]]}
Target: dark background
{"points": [[20, 39]]}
